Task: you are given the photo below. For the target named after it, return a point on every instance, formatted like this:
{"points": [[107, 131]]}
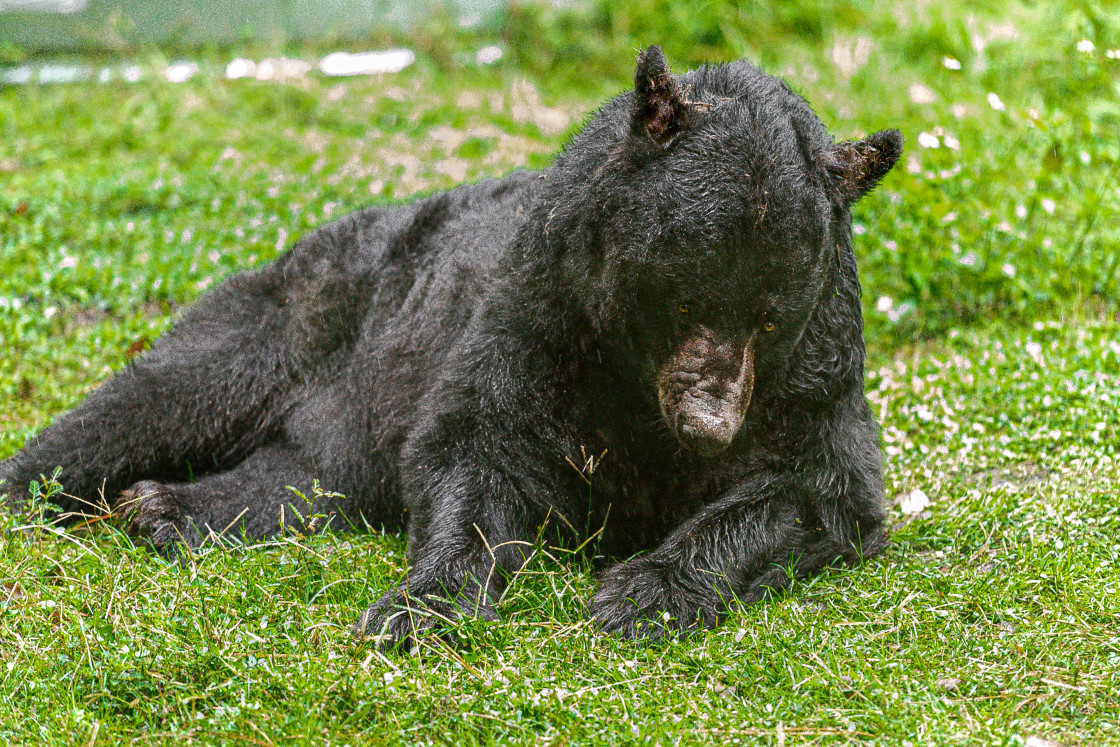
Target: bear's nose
{"points": [[702, 441]]}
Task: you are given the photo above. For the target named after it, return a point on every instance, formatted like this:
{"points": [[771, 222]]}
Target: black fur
{"points": [[677, 293]]}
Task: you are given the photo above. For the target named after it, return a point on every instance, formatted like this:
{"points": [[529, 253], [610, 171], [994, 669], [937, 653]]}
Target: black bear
{"points": [[676, 296]]}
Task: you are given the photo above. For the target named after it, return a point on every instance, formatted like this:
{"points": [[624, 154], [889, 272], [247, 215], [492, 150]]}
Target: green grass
{"points": [[994, 616]]}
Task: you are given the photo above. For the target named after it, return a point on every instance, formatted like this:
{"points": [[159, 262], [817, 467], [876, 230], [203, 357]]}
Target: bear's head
{"points": [[702, 219]]}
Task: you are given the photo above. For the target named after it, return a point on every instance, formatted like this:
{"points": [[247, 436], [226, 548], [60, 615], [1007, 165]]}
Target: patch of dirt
{"points": [[525, 105], [1014, 477], [80, 317]]}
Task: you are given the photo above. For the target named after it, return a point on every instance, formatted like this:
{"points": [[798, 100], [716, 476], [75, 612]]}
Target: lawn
{"points": [[989, 260]]}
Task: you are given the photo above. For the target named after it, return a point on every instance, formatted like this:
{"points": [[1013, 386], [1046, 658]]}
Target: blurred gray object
{"points": [[46, 25]]}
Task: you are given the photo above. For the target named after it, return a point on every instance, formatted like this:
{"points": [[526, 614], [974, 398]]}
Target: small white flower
{"points": [[1085, 158], [951, 142], [929, 140], [995, 102], [1020, 211], [913, 502], [1008, 270], [951, 64], [1085, 46], [488, 55], [922, 94], [1033, 348], [902, 310], [884, 304], [969, 259], [1048, 205]]}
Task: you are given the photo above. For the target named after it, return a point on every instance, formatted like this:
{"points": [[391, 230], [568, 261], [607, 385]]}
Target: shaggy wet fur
{"points": [[678, 292]]}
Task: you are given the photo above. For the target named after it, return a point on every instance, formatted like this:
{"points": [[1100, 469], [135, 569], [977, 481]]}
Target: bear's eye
{"points": [[768, 327], [683, 308]]}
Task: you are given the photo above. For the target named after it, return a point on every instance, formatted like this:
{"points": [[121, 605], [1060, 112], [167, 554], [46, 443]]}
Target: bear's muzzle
{"points": [[705, 388]]}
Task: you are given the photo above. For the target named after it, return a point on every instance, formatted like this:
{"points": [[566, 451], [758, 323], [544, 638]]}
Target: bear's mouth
{"points": [[708, 432], [704, 390]]}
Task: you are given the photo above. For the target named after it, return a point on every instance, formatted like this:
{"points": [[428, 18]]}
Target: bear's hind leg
{"points": [[209, 392], [271, 490]]}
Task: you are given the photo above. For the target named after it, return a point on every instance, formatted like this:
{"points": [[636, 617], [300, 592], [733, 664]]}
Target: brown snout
{"points": [[705, 389]]}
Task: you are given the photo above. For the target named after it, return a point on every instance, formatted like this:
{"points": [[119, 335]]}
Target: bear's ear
{"points": [[660, 110], [856, 166]]}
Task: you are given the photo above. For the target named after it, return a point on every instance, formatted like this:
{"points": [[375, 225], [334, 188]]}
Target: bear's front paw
{"points": [[643, 598], [406, 615], [153, 514]]}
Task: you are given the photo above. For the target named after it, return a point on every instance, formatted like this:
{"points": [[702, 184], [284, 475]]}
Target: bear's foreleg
{"points": [[464, 550], [735, 551]]}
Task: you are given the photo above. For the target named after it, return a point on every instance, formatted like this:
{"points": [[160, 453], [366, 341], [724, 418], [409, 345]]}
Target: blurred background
{"points": [[113, 25], [149, 149]]}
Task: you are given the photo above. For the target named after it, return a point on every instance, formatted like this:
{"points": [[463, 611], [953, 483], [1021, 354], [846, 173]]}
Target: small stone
{"points": [[913, 502], [1033, 741]]}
